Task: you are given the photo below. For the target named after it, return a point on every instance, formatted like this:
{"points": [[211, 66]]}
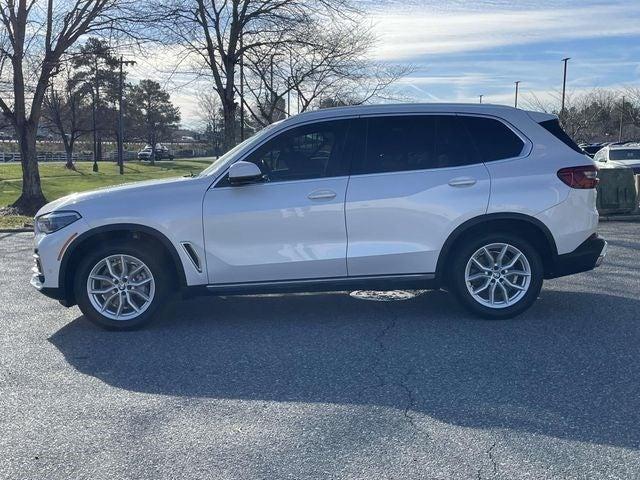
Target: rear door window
{"points": [[414, 142], [493, 139]]}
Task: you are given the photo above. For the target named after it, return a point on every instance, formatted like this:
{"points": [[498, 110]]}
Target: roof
{"points": [[625, 146], [389, 108]]}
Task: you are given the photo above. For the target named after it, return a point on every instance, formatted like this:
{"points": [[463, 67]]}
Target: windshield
{"points": [[220, 161], [625, 154]]}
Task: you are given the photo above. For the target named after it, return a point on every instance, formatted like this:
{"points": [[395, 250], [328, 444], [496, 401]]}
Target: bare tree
{"points": [[322, 65], [222, 32], [209, 112], [65, 114], [588, 116], [36, 35]]}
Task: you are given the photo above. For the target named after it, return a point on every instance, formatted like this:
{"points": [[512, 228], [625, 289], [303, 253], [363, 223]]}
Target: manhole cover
{"points": [[384, 296]]}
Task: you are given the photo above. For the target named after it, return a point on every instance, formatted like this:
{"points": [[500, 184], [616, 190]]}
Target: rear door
{"points": [[418, 177]]}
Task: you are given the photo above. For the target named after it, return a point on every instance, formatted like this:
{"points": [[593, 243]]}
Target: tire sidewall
{"points": [[459, 285], [89, 262]]}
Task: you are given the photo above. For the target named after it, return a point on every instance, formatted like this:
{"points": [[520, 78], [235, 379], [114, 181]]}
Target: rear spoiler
{"points": [[540, 117]]}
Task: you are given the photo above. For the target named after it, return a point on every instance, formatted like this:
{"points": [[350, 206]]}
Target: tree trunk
{"points": [[229, 111], [69, 152], [32, 197], [68, 149], [152, 159]]}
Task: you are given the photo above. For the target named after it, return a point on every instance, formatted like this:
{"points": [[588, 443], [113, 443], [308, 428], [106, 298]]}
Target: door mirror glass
{"points": [[241, 173]]}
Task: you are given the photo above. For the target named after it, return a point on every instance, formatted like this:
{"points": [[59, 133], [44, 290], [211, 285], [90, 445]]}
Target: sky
{"points": [[462, 49]]}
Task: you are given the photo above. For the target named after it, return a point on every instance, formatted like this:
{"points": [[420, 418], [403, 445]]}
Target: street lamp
{"points": [[564, 84], [621, 119], [241, 88], [121, 116], [517, 85], [94, 108]]}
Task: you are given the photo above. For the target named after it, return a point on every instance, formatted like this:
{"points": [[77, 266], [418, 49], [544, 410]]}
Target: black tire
{"points": [[458, 284], [152, 260]]}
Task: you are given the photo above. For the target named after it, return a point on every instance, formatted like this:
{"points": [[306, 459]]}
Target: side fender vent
{"points": [[188, 248]]}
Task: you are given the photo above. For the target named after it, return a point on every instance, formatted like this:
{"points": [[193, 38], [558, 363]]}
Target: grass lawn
{"points": [[57, 181], [15, 222]]}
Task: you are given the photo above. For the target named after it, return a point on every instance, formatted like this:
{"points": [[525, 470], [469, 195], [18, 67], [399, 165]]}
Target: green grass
{"points": [[15, 222], [57, 181]]}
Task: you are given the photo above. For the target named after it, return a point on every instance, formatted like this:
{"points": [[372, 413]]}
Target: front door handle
{"points": [[462, 182], [322, 195]]}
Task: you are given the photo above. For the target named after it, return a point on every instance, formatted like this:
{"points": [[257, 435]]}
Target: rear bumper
{"points": [[589, 255]]}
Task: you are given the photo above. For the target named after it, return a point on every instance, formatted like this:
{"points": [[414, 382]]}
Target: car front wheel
{"points": [[497, 276], [120, 287]]}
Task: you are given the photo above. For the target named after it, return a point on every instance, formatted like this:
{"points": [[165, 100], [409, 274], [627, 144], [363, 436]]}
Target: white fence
{"points": [[88, 156]]}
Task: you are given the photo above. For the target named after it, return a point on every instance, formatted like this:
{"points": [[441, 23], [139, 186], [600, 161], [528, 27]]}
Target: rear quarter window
{"points": [[493, 139], [554, 128]]}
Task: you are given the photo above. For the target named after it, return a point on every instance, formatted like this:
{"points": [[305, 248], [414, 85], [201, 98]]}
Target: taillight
{"points": [[579, 177]]}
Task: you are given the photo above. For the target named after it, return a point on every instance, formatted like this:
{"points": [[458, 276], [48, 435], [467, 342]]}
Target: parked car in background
{"points": [[620, 155], [591, 148], [484, 200], [162, 153]]}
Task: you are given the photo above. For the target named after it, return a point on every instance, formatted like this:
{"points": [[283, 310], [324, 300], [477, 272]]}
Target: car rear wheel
{"points": [[497, 276], [120, 287]]}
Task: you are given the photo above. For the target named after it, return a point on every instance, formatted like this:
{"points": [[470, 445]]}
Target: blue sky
{"points": [[463, 49]]}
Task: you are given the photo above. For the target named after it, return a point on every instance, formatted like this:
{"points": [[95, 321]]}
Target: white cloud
{"points": [[425, 31]]}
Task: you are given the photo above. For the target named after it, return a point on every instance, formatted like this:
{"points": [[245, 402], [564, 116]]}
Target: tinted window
{"points": [[494, 140], [310, 151], [554, 128], [401, 143], [624, 154]]}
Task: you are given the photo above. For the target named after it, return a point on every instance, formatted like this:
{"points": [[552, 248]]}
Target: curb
{"points": [[16, 230], [621, 218]]}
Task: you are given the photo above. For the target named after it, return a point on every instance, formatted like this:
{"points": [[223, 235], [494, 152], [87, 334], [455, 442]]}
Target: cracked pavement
{"points": [[327, 385]]}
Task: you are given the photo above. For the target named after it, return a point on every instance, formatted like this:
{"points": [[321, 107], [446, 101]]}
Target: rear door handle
{"points": [[462, 182], [322, 195]]}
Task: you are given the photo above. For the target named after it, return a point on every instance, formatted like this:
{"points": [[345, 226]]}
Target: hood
{"points": [[76, 201]]}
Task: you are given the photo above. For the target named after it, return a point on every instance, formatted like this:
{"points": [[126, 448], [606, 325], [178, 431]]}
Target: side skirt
{"points": [[423, 281]]}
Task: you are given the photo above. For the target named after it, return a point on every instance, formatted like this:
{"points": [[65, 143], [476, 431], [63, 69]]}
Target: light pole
{"points": [[241, 89], [96, 99], [288, 96], [516, 102], [621, 115], [121, 115], [564, 84]]}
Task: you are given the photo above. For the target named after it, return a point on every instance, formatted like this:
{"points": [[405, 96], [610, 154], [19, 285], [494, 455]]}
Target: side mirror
{"points": [[241, 173]]}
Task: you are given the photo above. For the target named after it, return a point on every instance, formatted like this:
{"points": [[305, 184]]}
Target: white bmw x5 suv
{"points": [[485, 201]]}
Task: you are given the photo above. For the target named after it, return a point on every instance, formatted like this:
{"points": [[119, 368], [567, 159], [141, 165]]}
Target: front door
{"points": [[290, 226]]}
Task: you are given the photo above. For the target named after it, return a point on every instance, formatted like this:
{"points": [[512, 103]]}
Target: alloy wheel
{"points": [[121, 287], [498, 275]]}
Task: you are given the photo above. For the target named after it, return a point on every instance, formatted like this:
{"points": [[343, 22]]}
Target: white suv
{"points": [[486, 201]]}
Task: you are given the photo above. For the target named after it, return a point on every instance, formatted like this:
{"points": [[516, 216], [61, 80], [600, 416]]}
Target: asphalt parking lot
{"points": [[327, 386]]}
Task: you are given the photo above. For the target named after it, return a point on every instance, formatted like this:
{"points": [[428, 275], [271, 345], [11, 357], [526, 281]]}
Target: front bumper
{"points": [[55, 293], [589, 255], [37, 282]]}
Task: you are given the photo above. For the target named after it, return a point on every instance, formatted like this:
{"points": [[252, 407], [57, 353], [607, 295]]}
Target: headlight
{"points": [[54, 221]]}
